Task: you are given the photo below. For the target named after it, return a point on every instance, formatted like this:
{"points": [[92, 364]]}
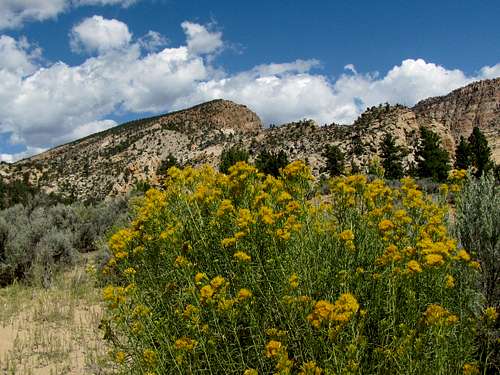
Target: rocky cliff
{"points": [[477, 104]]}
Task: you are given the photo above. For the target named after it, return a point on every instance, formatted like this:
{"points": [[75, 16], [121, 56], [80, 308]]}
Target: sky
{"points": [[69, 68]]}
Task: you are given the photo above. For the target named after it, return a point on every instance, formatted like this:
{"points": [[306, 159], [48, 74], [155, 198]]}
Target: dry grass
{"points": [[53, 331]]}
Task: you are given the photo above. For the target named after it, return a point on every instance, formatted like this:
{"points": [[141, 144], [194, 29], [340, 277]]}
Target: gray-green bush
{"points": [[478, 228], [38, 238]]}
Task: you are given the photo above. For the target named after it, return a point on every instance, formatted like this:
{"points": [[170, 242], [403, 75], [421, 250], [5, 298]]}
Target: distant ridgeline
{"points": [[115, 161]]}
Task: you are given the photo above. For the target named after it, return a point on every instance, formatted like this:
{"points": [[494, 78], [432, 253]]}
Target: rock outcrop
{"points": [[477, 104]]}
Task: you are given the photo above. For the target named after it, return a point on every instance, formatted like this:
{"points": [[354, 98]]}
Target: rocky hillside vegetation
{"points": [[114, 161]]}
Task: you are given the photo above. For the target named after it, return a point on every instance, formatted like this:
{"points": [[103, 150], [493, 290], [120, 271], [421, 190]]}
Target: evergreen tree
{"points": [[335, 160], [269, 162], [230, 157], [480, 152], [392, 157], [463, 155], [357, 146], [432, 160]]}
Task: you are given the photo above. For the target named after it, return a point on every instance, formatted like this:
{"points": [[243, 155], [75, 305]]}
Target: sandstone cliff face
{"points": [[477, 104], [112, 162]]}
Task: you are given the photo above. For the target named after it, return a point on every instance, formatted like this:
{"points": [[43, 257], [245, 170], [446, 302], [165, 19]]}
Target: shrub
{"points": [[375, 167], [231, 156], [240, 273], [35, 241], [478, 228], [269, 162], [15, 192]]}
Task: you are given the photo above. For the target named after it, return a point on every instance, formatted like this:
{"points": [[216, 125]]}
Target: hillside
{"points": [[111, 162]]}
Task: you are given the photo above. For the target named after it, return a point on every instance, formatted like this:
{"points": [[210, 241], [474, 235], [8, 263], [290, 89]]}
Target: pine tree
{"points": [[230, 157], [480, 152], [335, 160], [432, 160], [392, 157], [463, 155], [269, 162]]}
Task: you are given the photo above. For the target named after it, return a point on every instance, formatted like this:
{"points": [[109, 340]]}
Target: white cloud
{"points": [[44, 106], [30, 151], [200, 40], [285, 94], [98, 34], [90, 128], [13, 13], [351, 68], [490, 71], [123, 3], [18, 56], [153, 41]]}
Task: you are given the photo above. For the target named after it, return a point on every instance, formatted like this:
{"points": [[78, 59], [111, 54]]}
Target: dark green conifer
{"points": [[480, 152], [432, 159], [392, 157], [335, 160]]}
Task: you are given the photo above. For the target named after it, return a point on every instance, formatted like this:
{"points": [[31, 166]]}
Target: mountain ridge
{"points": [[111, 162]]}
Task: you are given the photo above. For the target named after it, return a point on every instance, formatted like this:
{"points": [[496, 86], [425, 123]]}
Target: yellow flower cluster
{"points": [[437, 315], [276, 350], [339, 312], [114, 295], [150, 357], [242, 256], [185, 343], [470, 369], [414, 266], [310, 368], [273, 348], [293, 281]]}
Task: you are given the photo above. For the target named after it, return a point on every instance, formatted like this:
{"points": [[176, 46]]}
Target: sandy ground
{"points": [[53, 331]]}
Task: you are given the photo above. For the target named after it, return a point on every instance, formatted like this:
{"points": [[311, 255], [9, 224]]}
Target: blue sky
{"points": [[72, 67]]}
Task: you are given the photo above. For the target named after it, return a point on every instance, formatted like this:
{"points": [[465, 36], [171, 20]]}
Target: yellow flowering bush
{"points": [[250, 274]]}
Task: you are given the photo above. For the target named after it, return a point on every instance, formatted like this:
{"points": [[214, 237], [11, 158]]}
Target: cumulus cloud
{"points": [[97, 34], [201, 40], [490, 71], [89, 128], [41, 106], [18, 56], [287, 94], [153, 41], [15, 13]]}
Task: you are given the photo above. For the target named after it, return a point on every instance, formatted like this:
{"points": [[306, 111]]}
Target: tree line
{"points": [[431, 159]]}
